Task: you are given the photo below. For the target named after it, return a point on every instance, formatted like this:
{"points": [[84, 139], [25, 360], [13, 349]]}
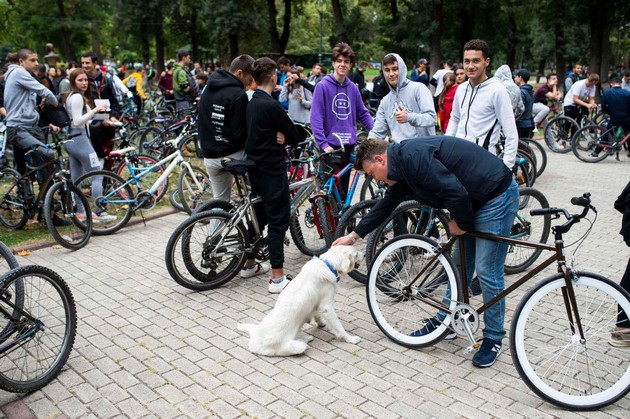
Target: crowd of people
{"points": [[250, 110]]}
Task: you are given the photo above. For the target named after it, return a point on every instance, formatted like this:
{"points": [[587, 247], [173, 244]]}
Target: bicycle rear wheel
{"points": [[538, 152], [529, 228], [144, 161], [547, 350], [113, 203], [62, 208], [204, 252], [193, 188], [40, 330], [401, 313], [7, 260], [587, 139], [12, 208], [305, 229], [558, 133]]}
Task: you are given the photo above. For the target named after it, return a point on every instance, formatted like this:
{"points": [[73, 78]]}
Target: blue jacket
{"points": [[616, 103], [526, 119], [442, 172]]}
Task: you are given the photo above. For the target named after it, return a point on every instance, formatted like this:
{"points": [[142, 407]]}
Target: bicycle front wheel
{"points": [[550, 356], [205, 252], [12, 208], [7, 260], [305, 229], [109, 197], [68, 215], [41, 327], [402, 310], [193, 187], [558, 133], [586, 141]]}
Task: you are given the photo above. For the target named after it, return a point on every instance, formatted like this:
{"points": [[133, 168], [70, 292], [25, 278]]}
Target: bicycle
{"points": [[560, 330], [38, 330], [209, 248], [119, 199], [594, 143], [66, 210], [558, 135], [7, 260]]}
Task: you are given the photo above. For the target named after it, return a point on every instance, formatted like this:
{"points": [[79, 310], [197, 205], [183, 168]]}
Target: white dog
{"points": [[310, 295]]}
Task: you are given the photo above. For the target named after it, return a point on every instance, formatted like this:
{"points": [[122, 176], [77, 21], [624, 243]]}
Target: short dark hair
{"points": [[242, 62], [367, 150], [12, 58], [593, 78], [449, 63], [344, 50], [263, 69], [616, 80], [389, 59], [181, 54], [201, 76], [478, 45], [90, 54], [23, 53], [284, 61], [551, 75], [626, 73]]}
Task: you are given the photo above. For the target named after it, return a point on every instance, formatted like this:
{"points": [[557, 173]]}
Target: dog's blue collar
{"points": [[333, 270]]}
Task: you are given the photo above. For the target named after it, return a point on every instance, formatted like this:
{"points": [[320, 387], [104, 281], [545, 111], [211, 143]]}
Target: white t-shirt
{"points": [[580, 90], [439, 76]]}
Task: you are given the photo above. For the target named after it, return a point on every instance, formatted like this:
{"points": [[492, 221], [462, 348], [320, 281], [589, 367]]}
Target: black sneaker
{"points": [[487, 354], [475, 286], [429, 327], [57, 222]]}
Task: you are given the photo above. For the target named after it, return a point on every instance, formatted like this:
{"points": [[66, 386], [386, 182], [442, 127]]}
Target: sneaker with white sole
{"points": [[103, 217], [277, 287], [256, 269], [487, 353], [620, 337], [81, 216]]}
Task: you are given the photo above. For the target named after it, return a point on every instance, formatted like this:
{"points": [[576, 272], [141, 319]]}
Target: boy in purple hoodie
{"points": [[336, 106]]}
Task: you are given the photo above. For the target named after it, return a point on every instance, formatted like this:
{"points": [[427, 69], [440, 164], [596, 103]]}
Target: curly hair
{"points": [[478, 45], [344, 50]]}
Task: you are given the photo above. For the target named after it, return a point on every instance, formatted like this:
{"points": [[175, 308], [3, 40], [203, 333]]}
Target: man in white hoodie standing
{"points": [[482, 106], [407, 111]]}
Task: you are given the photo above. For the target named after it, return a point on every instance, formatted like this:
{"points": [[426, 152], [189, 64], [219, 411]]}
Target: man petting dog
{"points": [[474, 186]]}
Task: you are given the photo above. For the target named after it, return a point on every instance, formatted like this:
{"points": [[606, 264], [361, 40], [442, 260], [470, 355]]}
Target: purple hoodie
{"points": [[335, 109]]}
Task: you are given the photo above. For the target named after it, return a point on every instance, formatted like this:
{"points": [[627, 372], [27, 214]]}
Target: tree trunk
{"points": [[145, 44], [558, 33], [272, 14], [512, 40], [436, 36], [194, 39], [606, 52], [393, 7], [286, 26], [96, 40], [63, 33], [233, 39], [159, 44], [339, 21], [541, 69], [466, 14]]}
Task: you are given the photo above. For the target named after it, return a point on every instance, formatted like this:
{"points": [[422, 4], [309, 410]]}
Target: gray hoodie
{"points": [[20, 95], [416, 99]]}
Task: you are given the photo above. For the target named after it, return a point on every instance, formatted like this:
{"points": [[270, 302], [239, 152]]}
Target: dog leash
{"points": [[333, 270]]}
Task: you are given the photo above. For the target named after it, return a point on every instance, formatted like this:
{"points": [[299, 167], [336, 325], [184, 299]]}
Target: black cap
{"points": [[423, 61], [524, 74]]}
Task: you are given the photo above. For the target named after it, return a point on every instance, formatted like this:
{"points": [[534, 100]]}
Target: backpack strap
{"points": [[486, 141]]}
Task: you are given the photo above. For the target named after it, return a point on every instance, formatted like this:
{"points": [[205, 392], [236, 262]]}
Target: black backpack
{"points": [[57, 115]]}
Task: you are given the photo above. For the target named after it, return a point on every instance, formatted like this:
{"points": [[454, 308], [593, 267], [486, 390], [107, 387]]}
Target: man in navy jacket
{"points": [[478, 191]]}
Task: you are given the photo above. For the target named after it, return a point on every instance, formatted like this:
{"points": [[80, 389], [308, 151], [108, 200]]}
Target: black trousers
{"points": [[576, 112], [338, 161], [622, 317], [275, 212], [524, 132], [99, 137]]}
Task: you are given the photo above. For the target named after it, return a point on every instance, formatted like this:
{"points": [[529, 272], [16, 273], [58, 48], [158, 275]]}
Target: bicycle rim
{"points": [[550, 357], [193, 188], [558, 134], [41, 347], [586, 141], [12, 211], [400, 313]]}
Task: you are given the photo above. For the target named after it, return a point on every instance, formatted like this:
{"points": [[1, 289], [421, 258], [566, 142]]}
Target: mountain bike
{"points": [[560, 330], [594, 143], [38, 328], [66, 210], [7, 260]]}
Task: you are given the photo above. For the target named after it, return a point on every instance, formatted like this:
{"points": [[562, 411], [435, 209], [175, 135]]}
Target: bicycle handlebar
{"points": [[581, 201]]}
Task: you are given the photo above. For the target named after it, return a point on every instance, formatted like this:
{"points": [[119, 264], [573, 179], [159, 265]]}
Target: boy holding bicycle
{"points": [[269, 128]]}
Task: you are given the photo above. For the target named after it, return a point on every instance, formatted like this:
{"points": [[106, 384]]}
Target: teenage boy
{"points": [[407, 111], [482, 106], [580, 99], [336, 106], [269, 128], [546, 92], [525, 123]]}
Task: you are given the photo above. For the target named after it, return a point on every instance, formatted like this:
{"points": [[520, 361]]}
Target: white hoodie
{"points": [[413, 97], [475, 111]]}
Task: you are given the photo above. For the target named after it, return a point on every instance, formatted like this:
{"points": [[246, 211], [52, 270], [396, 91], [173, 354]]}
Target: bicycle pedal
{"points": [[471, 348]]}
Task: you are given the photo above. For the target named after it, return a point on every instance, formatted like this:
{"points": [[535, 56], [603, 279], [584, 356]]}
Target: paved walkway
{"points": [[146, 347]]}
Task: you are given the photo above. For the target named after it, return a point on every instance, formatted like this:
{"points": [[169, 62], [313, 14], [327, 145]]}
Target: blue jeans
{"points": [[487, 257]]}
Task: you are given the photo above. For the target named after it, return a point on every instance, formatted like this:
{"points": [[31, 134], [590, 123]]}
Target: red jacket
{"points": [[445, 114]]}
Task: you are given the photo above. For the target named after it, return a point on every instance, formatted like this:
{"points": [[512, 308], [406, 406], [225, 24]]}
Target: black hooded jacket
{"points": [[622, 204], [222, 127]]}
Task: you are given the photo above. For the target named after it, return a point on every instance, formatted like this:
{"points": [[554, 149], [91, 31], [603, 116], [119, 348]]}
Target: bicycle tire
{"points": [[397, 313], [173, 198], [7, 259], [371, 189], [226, 206], [522, 174], [586, 140], [189, 147], [12, 209], [190, 196], [38, 358], [144, 161], [539, 152], [529, 228], [305, 233], [397, 225], [585, 375], [61, 205], [147, 139], [114, 199], [558, 134], [346, 225], [190, 258], [325, 217]]}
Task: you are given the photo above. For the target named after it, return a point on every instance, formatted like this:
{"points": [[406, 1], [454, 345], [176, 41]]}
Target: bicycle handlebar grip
{"points": [[582, 201], [543, 211]]}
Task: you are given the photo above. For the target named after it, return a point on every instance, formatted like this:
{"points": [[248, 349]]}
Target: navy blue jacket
{"points": [[442, 172], [526, 120], [616, 103]]}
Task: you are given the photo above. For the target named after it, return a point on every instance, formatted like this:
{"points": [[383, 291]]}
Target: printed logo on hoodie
{"points": [[341, 106]]}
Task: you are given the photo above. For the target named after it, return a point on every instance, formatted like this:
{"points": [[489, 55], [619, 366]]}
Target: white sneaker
{"points": [[81, 216], [257, 269], [103, 217], [277, 287]]}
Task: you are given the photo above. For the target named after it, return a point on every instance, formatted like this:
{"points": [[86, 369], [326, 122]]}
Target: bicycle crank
{"points": [[466, 322]]}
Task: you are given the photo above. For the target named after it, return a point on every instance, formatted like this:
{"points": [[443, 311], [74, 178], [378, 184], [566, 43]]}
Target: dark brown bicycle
{"points": [[560, 332]]}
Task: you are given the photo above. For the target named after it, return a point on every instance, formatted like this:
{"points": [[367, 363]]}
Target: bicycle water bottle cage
{"points": [[237, 167]]}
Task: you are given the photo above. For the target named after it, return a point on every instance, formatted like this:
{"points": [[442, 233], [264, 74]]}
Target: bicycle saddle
{"points": [[237, 167]]}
